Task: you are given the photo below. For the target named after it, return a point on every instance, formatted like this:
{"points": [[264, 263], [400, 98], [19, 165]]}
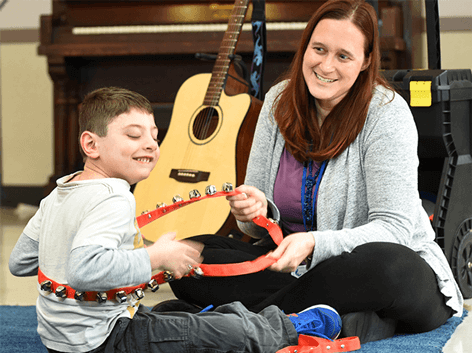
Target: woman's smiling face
{"points": [[333, 60]]}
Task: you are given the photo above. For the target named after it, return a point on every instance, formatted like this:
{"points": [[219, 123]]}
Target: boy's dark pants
{"points": [[229, 328]]}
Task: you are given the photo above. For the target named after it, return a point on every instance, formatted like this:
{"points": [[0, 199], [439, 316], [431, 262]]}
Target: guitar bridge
{"points": [[189, 176]]}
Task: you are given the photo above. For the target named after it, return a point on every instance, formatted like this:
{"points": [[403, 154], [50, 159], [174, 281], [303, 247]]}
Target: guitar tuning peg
{"points": [[194, 194], [210, 190], [227, 187], [161, 204], [177, 198]]}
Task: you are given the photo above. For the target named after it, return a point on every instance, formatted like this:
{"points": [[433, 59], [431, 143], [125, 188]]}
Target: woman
{"points": [[334, 160]]}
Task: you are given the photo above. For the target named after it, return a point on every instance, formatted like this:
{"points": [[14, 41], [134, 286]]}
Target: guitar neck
{"points": [[227, 49]]}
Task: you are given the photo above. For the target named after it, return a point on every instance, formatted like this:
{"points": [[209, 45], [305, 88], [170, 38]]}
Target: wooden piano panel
{"points": [[57, 36], [169, 43], [156, 77], [120, 12]]}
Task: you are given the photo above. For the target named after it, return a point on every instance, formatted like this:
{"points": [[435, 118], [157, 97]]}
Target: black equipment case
{"points": [[441, 103]]}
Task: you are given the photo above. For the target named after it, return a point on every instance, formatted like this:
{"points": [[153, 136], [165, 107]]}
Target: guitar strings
{"points": [[224, 61], [202, 126], [231, 36]]}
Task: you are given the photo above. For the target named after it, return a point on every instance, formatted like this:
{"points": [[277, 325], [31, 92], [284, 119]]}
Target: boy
{"points": [[84, 238]]}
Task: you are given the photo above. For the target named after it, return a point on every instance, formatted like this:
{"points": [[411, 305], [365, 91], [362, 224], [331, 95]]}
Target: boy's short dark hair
{"points": [[101, 106]]}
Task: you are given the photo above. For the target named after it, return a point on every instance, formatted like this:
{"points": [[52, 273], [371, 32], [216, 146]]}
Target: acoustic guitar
{"points": [[207, 143]]}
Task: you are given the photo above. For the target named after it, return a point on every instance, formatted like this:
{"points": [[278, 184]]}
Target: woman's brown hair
{"points": [[295, 111]]}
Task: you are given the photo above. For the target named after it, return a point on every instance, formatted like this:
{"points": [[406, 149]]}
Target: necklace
{"points": [[308, 197]]}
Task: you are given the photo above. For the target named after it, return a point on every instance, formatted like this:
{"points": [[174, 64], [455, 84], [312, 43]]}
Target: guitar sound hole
{"points": [[205, 123]]}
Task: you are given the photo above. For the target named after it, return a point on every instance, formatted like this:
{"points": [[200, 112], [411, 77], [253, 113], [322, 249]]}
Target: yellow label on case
{"points": [[420, 94]]}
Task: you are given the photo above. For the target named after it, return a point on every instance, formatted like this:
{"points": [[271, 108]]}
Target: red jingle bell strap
{"points": [[306, 344], [118, 294], [207, 270], [312, 344], [222, 270]]}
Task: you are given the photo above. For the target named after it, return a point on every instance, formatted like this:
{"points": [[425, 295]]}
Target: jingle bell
{"points": [[46, 286], [61, 292], [197, 273], [80, 296], [168, 276], [194, 194], [102, 297], [121, 297], [138, 294], [227, 187], [177, 198], [153, 285], [210, 190]]}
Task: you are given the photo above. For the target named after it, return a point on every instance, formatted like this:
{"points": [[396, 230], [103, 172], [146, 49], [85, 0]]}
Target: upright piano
{"points": [[148, 46]]}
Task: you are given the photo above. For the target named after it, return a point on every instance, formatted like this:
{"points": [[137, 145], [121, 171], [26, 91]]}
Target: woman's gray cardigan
{"points": [[368, 193]]}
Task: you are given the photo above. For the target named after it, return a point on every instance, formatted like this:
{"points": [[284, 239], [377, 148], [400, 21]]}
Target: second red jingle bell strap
{"points": [[223, 270], [306, 344]]}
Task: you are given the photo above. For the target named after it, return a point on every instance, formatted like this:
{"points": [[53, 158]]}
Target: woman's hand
{"points": [[292, 251], [248, 205]]}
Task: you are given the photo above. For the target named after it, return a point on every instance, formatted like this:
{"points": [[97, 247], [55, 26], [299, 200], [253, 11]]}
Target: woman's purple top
{"points": [[287, 193]]}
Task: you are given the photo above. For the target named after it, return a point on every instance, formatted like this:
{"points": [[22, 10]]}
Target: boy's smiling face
{"points": [[130, 150]]}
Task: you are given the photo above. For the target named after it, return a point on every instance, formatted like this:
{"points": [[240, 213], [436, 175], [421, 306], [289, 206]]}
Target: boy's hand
{"points": [[248, 205], [168, 254]]}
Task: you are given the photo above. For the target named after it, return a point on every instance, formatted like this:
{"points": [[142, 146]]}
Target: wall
{"points": [[26, 97], [26, 90], [456, 34], [26, 116]]}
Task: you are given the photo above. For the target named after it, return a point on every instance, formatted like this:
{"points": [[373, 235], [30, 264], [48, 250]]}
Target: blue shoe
{"points": [[318, 320]]}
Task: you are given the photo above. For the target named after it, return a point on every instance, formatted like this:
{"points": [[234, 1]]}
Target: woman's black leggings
{"points": [[387, 278]]}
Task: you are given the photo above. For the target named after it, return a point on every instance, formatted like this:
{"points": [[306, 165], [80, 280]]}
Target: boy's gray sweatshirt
{"points": [[84, 235]]}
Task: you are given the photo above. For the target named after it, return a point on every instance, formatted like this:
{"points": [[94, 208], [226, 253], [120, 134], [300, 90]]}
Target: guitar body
{"points": [[191, 159]]}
